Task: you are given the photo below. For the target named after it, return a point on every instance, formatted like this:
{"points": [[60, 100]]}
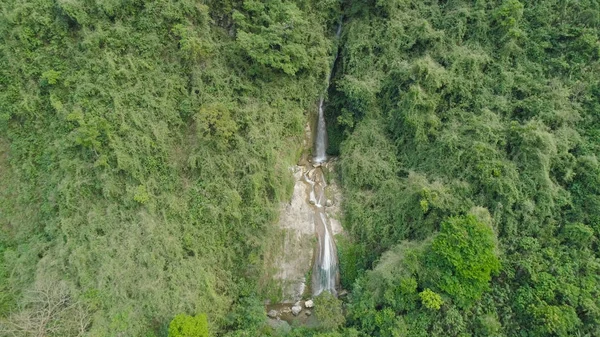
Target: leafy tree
{"points": [[464, 255], [328, 310], [430, 299], [275, 34]]}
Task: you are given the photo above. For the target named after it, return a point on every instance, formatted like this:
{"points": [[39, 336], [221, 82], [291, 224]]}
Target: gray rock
{"points": [[272, 313], [309, 304], [308, 313], [296, 310], [329, 203], [279, 325]]}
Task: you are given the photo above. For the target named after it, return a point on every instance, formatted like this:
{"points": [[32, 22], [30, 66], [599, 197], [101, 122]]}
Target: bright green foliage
{"points": [[328, 310], [430, 299], [184, 325], [464, 257]]}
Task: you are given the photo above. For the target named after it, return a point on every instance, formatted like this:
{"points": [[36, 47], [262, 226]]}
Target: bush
{"points": [[328, 310], [184, 325], [464, 253]]}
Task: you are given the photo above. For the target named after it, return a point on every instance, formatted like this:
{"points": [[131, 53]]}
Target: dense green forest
{"points": [[145, 147]]}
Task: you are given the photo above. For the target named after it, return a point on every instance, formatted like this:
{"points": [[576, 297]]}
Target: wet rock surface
{"points": [[297, 221], [296, 309], [279, 325]]}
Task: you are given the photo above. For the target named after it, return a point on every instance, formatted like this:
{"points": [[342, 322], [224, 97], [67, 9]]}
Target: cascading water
{"points": [[325, 268], [325, 273], [321, 136], [308, 213]]}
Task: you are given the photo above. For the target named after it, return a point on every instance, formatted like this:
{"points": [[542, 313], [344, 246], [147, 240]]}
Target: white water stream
{"points": [[308, 215], [325, 274], [325, 267]]}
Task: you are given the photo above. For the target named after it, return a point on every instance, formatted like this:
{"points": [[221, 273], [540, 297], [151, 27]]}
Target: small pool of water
{"points": [[284, 313]]}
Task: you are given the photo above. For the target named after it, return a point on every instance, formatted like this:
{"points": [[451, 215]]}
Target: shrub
{"points": [[184, 325]]}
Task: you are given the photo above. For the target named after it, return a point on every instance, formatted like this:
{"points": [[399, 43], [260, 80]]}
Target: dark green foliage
{"points": [[484, 107], [351, 261], [247, 318], [328, 310]]}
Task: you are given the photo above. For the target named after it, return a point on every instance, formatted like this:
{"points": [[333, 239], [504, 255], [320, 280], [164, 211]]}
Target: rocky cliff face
{"points": [[297, 220]]}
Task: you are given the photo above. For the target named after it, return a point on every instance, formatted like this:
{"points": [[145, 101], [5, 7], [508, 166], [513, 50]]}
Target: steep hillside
{"points": [[144, 151], [469, 162]]}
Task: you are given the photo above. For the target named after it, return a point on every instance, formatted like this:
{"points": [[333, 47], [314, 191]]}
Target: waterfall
{"points": [[306, 215], [326, 265], [321, 136], [325, 268]]}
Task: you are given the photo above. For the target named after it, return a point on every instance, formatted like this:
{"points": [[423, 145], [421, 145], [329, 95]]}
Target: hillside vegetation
{"points": [[145, 146], [469, 149], [144, 150]]}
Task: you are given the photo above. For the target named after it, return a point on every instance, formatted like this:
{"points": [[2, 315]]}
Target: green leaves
{"points": [[215, 124], [143, 157], [184, 325], [430, 299], [328, 310], [193, 48], [465, 254], [51, 76], [276, 34]]}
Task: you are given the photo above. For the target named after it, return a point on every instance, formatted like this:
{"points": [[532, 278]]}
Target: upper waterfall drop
{"points": [[320, 146], [321, 137]]}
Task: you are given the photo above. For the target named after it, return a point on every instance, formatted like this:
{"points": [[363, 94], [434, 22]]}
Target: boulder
{"points": [[296, 310], [309, 304], [272, 313], [329, 203], [308, 313], [280, 325]]}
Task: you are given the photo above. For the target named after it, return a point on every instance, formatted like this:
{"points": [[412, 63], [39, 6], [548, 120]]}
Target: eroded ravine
{"points": [[311, 213]]}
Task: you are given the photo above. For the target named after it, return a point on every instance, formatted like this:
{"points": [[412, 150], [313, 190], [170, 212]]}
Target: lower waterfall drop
{"points": [[326, 265]]}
